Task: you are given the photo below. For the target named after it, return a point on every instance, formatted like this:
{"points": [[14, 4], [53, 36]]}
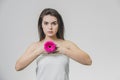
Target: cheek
{"points": [[44, 29], [56, 29]]}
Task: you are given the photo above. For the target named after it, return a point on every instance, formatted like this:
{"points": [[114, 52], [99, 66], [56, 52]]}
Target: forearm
{"points": [[79, 56], [25, 60]]}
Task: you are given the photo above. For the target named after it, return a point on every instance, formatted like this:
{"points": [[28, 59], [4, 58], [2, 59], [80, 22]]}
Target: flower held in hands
{"points": [[50, 46]]}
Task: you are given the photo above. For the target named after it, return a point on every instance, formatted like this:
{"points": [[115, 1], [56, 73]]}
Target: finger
{"points": [[56, 51], [57, 48], [57, 45], [46, 53]]}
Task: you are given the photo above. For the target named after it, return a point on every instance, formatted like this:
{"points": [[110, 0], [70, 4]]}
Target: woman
{"points": [[54, 66]]}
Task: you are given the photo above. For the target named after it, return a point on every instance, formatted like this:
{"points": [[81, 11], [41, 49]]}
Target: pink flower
{"points": [[50, 46]]}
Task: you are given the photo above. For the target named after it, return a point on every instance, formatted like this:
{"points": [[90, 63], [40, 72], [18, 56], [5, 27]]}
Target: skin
{"points": [[66, 47]]}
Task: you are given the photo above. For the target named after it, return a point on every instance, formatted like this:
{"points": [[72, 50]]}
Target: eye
{"points": [[46, 23], [54, 23]]}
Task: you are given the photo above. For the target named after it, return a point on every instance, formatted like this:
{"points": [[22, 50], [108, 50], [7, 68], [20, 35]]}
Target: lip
{"points": [[49, 31]]}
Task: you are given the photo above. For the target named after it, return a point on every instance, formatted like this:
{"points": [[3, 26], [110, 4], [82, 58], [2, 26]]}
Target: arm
{"points": [[77, 54], [29, 56]]}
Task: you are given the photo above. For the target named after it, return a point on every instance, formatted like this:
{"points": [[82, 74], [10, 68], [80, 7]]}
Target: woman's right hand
{"points": [[40, 50]]}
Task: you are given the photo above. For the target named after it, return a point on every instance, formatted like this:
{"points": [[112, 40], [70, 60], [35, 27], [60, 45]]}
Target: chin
{"points": [[50, 35]]}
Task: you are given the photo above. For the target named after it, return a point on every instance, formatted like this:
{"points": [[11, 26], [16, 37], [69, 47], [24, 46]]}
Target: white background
{"points": [[94, 25]]}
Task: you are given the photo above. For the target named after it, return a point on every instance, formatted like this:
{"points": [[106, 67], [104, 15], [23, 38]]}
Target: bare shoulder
{"points": [[69, 43], [34, 45]]}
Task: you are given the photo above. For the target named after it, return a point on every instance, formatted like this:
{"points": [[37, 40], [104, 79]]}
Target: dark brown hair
{"points": [[52, 12]]}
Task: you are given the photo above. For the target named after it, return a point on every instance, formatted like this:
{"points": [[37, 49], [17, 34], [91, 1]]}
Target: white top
{"points": [[52, 67]]}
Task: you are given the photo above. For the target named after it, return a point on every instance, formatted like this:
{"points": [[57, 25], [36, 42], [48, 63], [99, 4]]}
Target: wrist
{"points": [[66, 52], [37, 53]]}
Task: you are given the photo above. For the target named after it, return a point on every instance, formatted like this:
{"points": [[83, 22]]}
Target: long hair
{"points": [[52, 12]]}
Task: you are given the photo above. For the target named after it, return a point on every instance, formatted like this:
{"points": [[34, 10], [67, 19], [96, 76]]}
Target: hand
{"points": [[61, 49], [40, 50]]}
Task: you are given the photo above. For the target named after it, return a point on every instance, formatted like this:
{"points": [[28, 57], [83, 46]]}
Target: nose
{"points": [[50, 26]]}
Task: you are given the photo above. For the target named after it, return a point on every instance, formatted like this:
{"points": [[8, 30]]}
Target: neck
{"points": [[53, 38]]}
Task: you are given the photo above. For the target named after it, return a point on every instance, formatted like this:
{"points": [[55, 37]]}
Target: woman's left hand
{"points": [[60, 49]]}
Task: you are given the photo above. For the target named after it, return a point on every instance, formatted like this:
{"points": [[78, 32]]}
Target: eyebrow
{"points": [[52, 22]]}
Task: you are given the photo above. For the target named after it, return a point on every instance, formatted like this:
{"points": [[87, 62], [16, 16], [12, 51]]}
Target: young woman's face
{"points": [[50, 25]]}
